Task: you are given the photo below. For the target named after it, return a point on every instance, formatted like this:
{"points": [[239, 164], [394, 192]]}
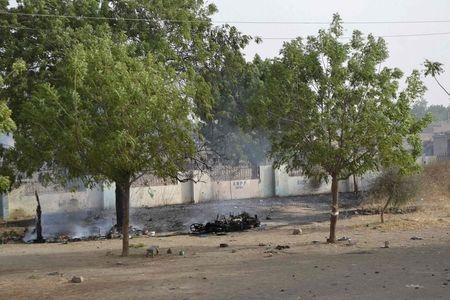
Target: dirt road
{"points": [[410, 269]]}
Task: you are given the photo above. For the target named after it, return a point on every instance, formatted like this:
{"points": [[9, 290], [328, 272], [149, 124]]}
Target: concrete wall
{"points": [[23, 203], [4, 211], [208, 190], [156, 195], [286, 185], [270, 183]]}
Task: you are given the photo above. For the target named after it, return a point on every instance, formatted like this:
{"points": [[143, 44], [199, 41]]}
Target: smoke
{"points": [[78, 224]]}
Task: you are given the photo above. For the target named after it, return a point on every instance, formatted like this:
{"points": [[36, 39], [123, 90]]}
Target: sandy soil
{"points": [[362, 269]]}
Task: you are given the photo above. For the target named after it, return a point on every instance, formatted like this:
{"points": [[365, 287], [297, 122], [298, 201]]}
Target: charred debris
{"points": [[224, 224]]}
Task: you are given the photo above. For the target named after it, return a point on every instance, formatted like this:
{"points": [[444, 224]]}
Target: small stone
{"points": [[261, 245], [315, 242], [350, 242], [297, 231], [416, 238], [77, 279], [233, 251], [169, 251], [386, 244], [56, 273], [282, 247], [152, 251], [181, 253], [223, 245]]}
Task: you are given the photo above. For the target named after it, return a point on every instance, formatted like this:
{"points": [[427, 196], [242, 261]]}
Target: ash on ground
{"points": [[177, 219]]}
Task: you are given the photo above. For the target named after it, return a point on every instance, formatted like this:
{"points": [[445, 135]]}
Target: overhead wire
{"points": [[79, 17], [238, 22]]}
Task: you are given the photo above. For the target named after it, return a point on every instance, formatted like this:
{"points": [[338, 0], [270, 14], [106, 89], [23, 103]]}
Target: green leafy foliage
{"points": [[331, 110], [395, 189], [112, 116], [329, 104], [434, 69], [178, 33], [437, 112], [228, 133], [7, 126]]}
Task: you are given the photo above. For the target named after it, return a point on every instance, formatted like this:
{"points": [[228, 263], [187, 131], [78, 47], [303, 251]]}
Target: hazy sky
{"points": [[406, 53]]}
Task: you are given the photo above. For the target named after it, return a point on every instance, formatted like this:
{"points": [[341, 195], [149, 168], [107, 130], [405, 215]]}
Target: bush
{"points": [[394, 189]]}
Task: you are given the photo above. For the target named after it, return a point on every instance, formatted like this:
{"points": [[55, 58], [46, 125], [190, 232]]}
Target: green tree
{"points": [[419, 109], [332, 111], [439, 112], [7, 126], [178, 33], [233, 83], [434, 69], [111, 117]]}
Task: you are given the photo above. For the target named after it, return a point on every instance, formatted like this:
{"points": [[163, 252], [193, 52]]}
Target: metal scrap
{"points": [[222, 224]]}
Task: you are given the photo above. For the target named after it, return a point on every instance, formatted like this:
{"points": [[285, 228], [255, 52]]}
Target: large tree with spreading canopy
{"points": [[332, 109], [177, 33], [111, 117]]}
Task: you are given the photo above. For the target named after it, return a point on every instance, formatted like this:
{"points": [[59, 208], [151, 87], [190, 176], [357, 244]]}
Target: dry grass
{"points": [[432, 202], [435, 186]]}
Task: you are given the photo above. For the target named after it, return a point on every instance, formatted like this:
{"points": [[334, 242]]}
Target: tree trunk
{"points": [[125, 196], [334, 208], [355, 185], [119, 208], [384, 209], [39, 237]]}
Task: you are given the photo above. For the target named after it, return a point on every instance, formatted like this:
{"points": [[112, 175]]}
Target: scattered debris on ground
{"points": [[222, 224], [77, 279], [297, 231], [11, 236], [414, 286], [282, 247], [152, 251]]}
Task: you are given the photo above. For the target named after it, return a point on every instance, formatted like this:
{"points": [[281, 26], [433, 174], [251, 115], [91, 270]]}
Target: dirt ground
{"points": [[250, 267]]}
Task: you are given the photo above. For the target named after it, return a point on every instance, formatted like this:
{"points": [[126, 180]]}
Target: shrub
{"points": [[394, 189]]}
